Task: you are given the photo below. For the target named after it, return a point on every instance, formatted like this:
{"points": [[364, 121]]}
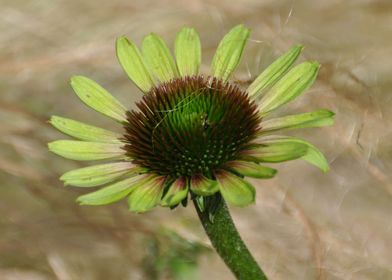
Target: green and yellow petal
{"points": [[176, 192], [96, 97], [133, 64], [101, 174], [84, 131], [276, 150], [81, 150], [251, 169], [148, 195], [229, 52], [293, 84], [234, 189], [187, 49], [202, 185], [114, 192], [274, 72], [318, 118], [158, 58]]}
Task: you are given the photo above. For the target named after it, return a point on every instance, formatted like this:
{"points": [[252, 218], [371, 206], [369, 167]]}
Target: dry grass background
{"points": [[305, 224]]}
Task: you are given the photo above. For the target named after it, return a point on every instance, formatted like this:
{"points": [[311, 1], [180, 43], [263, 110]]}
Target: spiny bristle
{"points": [[190, 125]]}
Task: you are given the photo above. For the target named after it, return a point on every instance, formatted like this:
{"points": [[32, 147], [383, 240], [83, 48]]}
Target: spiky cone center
{"points": [[190, 125]]}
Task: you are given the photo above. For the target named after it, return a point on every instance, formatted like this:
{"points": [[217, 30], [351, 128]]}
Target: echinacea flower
{"points": [[191, 133]]}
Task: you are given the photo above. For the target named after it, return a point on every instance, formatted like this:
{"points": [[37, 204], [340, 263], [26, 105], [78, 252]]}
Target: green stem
{"points": [[228, 243]]}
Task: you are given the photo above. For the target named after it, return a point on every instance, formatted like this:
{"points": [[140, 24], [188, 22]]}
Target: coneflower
{"points": [[192, 135]]}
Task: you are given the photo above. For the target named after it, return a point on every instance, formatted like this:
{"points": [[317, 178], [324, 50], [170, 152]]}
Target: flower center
{"points": [[190, 125]]}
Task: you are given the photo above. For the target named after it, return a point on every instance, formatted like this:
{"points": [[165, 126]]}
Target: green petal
{"points": [[176, 193], [96, 175], [159, 59], [274, 72], [312, 119], [201, 185], [80, 150], [276, 150], [84, 131], [133, 64], [147, 195], [98, 98], [251, 169], [294, 83], [188, 52], [234, 189], [229, 52], [113, 192], [313, 155]]}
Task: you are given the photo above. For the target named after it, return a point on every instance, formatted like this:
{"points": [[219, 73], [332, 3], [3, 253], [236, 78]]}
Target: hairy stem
{"points": [[228, 243]]}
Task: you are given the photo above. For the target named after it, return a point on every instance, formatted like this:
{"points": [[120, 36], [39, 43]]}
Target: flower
{"points": [[191, 134]]}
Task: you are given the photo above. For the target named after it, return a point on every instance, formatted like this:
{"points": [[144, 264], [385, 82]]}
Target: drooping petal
{"points": [[293, 84], [96, 175], [229, 52], [201, 185], [84, 131], [274, 72], [234, 189], [188, 52], [176, 193], [309, 152], [133, 64], [147, 195], [98, 98], [251, 169], [277, 150], [81, 150], [312, 119], [113, 192], [158, 58], [313, 155]]}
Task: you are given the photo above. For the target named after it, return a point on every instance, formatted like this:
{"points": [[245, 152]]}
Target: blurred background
{"points": [[305, 224]]}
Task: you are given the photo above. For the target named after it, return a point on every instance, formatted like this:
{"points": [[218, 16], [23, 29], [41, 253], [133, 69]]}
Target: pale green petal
{"points": [[96, 175], [229, 52], [84, 131], [313, 155], [312, 119], [251, 169], [235, 190], [80, 150], [274, 72], [148, 195], [188, 52], [133, 64], [176, 192], [276, 150], [201, 185], [293, 84], [98, 98], [113, 192], [158, 58]]}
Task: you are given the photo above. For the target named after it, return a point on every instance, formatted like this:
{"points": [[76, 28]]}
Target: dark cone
{"points": [[190, 125]]}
